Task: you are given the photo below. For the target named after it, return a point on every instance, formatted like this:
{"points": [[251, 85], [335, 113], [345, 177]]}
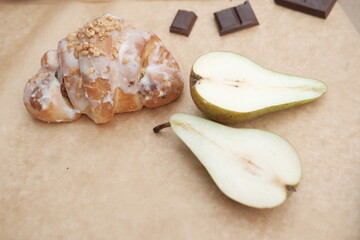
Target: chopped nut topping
{"points": [[125, 60], [168, 84], [107, 69], [80, 83], [90, 70], [84, 53], [96, 52], [161, 93], [89, 33], [71, 37], [137, 58], [109, 29], [82, 41], [78, 95], [75, 71], [115, 55], [100, 23], [70, 45]]}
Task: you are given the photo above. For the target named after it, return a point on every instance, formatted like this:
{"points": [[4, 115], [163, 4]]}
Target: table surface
{"points": [[352, 9], [119, 180]]}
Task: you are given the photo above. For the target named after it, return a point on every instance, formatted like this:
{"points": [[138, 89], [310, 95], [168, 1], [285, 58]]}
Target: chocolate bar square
{"points": [[318, 8], [227, 20], [246, 15], [236, 18], [183, 22]]}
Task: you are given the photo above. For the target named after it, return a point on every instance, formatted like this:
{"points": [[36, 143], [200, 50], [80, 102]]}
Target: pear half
{"points": [[229, 88], [253, 167]]}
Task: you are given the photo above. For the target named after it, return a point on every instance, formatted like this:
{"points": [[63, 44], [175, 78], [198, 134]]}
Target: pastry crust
{"points": [[104, 68]]}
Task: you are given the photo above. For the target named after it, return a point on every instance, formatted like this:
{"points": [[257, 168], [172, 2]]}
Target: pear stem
{"points": [[161, 126], [290, 188]]}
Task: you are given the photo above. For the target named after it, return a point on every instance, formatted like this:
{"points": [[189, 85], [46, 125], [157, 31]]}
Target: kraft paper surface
{"points": [[119, 180]]}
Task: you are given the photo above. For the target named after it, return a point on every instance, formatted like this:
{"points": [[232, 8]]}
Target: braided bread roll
{"points": [[104, 68]]}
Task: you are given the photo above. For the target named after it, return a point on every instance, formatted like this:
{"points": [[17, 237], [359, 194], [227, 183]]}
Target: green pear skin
{"points": [[253, 167], [222, 114]]}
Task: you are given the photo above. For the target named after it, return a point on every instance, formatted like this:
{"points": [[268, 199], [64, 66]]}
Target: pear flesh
{"points": [[253, 167], [228, 87]]}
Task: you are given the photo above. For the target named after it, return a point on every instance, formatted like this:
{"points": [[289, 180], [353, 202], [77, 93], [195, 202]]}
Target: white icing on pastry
{"points": [[105, 56]]}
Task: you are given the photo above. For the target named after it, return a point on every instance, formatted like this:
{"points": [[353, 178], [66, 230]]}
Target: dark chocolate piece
{"points": [[318, 8], [236, 18], [183, 22]]}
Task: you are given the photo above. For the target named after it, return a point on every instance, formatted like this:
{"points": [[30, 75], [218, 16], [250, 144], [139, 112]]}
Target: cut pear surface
{"points": [[254, 167], [229, 87]]}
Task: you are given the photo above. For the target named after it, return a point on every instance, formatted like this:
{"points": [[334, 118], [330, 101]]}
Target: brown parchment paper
{"points": [[121, 181]]}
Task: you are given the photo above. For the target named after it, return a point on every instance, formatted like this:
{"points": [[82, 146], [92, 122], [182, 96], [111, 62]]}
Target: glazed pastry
{"points": [[104, 68]]}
